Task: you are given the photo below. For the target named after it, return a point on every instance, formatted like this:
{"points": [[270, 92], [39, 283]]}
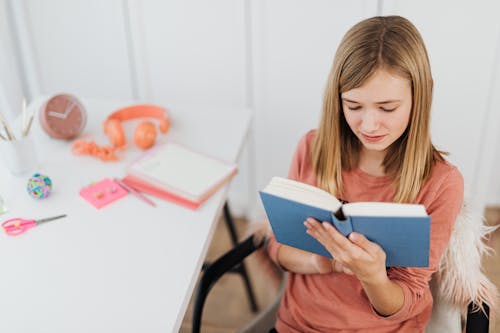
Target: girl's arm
{"points": [[302, 262], [385, 296]]}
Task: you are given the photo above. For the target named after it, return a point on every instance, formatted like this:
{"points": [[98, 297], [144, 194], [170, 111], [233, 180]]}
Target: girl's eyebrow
{"points": [[381, 102], [388, 101], [349, 100]]}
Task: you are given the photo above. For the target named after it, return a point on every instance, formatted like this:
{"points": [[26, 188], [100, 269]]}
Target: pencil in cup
{"points": [[8, 130]]}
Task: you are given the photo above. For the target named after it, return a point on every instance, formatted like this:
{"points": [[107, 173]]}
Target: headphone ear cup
{"points": [[114, 131], [164, 125], [145, 135]]}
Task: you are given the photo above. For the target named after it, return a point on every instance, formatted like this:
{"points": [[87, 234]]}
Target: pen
{"points": [[28, 126], [23, 125], [135, 192]]}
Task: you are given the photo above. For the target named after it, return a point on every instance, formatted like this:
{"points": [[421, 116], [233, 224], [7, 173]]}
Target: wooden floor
{"points": [[227, 307], [492, 263]]}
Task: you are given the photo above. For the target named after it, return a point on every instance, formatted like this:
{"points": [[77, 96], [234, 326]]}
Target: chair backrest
{"points": [[460, 288], [218, 268]]}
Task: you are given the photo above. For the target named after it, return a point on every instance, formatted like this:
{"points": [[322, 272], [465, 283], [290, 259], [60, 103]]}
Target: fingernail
{"points": [[353, 236]]}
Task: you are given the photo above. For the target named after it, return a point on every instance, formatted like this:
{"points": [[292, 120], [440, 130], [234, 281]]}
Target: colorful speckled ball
{"points": [[39, 186]]}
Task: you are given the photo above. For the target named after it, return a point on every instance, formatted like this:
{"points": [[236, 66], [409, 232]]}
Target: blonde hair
{"points": [[394, 44]]}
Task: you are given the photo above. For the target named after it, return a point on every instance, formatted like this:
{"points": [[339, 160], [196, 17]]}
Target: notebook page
{"points": [[181, 169]]}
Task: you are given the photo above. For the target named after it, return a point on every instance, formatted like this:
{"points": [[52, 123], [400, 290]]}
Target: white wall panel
{"points": [[489, 169], [195, 52], [192, 51], [79, 46], [461, 38], [294, 45], [11, 88]]}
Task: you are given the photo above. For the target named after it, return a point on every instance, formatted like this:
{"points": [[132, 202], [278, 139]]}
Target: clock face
{"points": [[63, 117]]}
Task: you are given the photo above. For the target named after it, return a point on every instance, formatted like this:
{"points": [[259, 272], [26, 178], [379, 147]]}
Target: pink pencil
{"points": [[135, 192]]}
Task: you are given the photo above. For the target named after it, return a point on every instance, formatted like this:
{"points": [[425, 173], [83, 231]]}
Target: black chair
{"points": [[232, 260], [477, 321], [241, 268]]}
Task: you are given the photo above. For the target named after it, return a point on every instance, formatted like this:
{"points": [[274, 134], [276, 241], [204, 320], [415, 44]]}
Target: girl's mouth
{"points": [[373, 138]]}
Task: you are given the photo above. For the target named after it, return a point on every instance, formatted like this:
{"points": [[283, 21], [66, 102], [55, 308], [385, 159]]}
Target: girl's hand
{"points": [[353, 255], [325, 265]]}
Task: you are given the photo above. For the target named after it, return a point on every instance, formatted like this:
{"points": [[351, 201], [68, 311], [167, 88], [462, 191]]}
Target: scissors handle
{"points": [[16, 226]]}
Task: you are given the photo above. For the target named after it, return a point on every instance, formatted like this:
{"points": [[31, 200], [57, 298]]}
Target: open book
{"points": [[402, 230], [176, 173]]}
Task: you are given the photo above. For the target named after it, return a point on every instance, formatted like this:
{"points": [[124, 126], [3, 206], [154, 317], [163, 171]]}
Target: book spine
{"points": [[344, 226]]}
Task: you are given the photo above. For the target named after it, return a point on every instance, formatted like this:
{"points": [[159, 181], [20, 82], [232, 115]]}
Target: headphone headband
{"points": [[139, 111]]}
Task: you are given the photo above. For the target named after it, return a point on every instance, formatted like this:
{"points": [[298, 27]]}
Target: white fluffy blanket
{"points": [[460, 278]]}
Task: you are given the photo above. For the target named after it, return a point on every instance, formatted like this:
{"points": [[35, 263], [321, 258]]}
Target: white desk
{"points": [[128, 267]]}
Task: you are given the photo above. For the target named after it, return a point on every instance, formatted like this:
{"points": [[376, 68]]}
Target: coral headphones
{"points": [[145, 133]]}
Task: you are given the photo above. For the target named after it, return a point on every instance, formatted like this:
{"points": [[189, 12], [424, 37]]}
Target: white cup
{"points": [[19, 156]]}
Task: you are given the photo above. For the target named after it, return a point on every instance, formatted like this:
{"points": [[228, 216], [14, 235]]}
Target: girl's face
{"points": [[378, 112]]}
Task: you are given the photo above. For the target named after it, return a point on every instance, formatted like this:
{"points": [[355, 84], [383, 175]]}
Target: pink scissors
{"points": [[17, 226]]}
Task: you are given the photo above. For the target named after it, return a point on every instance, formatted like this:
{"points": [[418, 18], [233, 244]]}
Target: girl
{"points": [[373, 144]]}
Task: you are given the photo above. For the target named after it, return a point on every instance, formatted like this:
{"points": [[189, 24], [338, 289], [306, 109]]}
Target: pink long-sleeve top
{"points": [[336, 302]]}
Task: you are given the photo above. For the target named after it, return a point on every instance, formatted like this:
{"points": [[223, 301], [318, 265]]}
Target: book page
{"points": [[383, 209], [179, 169], [304, 193]]}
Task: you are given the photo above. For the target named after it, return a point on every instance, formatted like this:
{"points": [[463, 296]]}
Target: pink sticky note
{"points": [[103, 192]]}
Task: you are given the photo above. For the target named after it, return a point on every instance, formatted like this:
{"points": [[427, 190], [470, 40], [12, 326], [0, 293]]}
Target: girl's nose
{"points": [[369, 122]]}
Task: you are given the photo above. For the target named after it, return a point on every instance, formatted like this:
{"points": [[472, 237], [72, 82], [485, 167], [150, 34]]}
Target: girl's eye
{"points": [[388, 110], [354, 108]]}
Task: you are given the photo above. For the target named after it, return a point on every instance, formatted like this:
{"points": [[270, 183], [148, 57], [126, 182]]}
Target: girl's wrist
{"points": [[376, 281], [321, 264]]}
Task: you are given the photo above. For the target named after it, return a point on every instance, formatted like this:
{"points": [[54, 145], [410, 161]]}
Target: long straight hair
{"points": [[391, 43]]}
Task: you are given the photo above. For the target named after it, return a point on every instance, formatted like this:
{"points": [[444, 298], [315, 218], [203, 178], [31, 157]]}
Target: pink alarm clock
{"points": [[63, 117]]}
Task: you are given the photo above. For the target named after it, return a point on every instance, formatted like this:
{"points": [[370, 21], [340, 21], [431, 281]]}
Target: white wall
{"points": [[11, 88], [273, 56], [463, 41], [293, 47]]}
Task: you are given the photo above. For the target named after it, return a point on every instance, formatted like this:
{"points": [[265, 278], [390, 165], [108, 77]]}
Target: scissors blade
{"points": [[48, 219]]}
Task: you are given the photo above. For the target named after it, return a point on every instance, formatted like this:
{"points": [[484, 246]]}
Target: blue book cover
{"points": [[405, 239]]}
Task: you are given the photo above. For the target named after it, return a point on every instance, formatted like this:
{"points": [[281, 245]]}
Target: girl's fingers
{"points": [[315, 230], [340, 240], [329, 237], [361, 241]]}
